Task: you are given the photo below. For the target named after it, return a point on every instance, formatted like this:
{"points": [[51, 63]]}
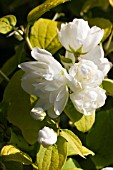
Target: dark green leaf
{"points": [[100, 138]]}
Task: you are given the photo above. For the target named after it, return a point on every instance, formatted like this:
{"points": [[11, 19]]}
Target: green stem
{"points": [[4, 76], [27, 37]]}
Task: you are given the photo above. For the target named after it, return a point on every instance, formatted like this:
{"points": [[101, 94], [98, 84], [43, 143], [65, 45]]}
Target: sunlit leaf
{"points": [[53, 157], [102, 23], [11, 153], [82, 123], [19, 109], [7, 23], [38, 11], [71, 164], [44, 35], [71, 151], [108, 86], [111, 2], [73, 140], [85, 123]]}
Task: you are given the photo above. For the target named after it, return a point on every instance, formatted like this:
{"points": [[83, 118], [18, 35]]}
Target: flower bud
{"points": [[47, 136], [38, 113]]}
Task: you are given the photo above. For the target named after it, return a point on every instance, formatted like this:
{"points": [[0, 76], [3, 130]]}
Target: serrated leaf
{"points": [[44, 35], [71, 151], [102, 23], [73, 140], [100, 138], [19, 109], [53, 157], [94, 3], [7, 23], [71, 164], [11, 153], [38, 11], [107, 84]]}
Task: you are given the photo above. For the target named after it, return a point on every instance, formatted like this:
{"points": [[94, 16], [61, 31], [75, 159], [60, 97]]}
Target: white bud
{"points": [[47, 136], [38, 113]]}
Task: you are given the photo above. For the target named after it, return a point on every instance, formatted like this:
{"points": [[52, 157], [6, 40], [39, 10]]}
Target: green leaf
{"points": [[38, 11], [11, 153], [102, 23], [11, 165], [19, 109], [82, 123], [71, 112], [71, 151], [20, 142], [53, 157], [73, 140], [100, 138], [70, 164], [94, 3], [7, 23], [107, 84], [16, 59], [44, 35], [85, 123]]}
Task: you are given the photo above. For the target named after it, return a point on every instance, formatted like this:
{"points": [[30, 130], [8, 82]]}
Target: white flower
{"points": [[77, 34], [107, 168], [46, 78], [84, 73], [97, 56], [38, 113], [88, 100], [47, 136]]}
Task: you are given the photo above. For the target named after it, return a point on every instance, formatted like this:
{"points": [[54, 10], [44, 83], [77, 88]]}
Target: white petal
{"points": [[39, 54], [93, 39], [61, 101]]}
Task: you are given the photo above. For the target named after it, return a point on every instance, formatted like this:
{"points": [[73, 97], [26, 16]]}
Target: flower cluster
{"points": [[79, 79], [88, 67]]}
